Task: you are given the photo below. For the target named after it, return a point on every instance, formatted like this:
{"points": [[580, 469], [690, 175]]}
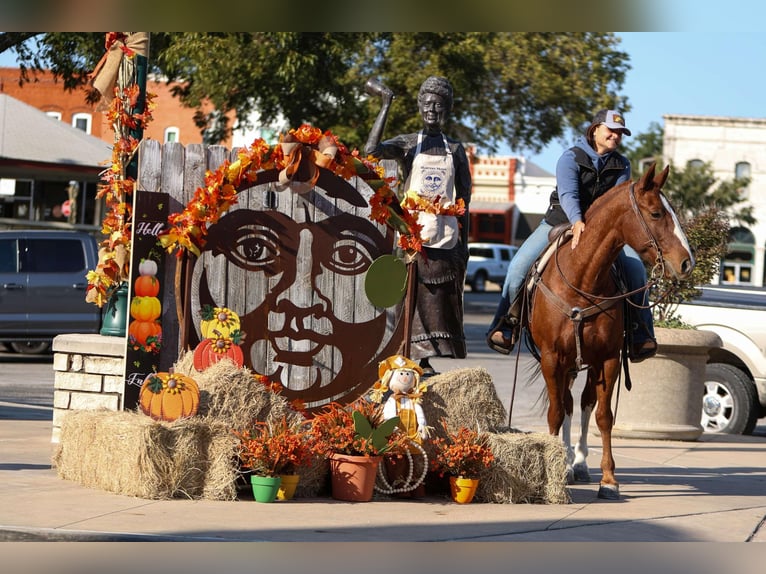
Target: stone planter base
{"points": [[666, 399]]}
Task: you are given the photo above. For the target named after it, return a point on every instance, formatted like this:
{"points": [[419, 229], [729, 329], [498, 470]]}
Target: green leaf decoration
{"points": [[378, 436]]}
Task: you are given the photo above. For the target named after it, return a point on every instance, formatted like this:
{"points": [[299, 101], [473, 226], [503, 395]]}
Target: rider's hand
{"points": [[577, 230]]}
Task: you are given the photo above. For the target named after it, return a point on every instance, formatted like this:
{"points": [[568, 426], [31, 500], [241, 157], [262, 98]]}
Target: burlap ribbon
{"points": [[118, 45], [302, 162]]}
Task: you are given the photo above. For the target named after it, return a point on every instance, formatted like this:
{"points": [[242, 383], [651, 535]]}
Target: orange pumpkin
{"points": [[210, 351], [145, 308], [218, 322], [169, 396], [142, 330], [147, 286]]}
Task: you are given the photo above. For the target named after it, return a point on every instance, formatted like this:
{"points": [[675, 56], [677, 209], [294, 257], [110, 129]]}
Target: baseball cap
{"points": [[611, 119]]}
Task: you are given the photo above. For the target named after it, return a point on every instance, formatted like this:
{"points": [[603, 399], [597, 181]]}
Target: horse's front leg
{"points": [[609, 488], [560, 405]]}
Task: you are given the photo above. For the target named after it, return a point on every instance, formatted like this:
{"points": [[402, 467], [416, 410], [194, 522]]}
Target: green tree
{"points": [[515, 88]]}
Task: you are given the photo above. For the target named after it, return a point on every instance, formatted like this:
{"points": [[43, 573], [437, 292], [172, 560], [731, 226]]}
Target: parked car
{"points": [[42, 287], [735, 380], [488, 262]]}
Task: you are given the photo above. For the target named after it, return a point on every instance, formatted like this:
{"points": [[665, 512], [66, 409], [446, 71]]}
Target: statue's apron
{"points": [[432, 179]]}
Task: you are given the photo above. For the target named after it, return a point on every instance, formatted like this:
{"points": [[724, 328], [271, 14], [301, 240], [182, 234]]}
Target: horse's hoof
{"points": [[609, 492], [581, 473], [570, 475]]}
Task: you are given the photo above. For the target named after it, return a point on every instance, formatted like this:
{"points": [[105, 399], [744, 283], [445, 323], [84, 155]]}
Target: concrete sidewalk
{"points": [[710, 490]]}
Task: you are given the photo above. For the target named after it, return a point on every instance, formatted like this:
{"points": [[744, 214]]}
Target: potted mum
{"points": [[354, 438], [275, 451], [463, 455]]}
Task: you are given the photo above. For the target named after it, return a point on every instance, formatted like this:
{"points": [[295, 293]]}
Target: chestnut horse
{"points": [[574, 315]]}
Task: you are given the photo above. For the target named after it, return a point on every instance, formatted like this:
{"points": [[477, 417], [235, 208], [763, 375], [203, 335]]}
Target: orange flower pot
{"points": [[463, 489]]}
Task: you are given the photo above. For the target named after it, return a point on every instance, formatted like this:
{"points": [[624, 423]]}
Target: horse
{"points": [[572, 320]]}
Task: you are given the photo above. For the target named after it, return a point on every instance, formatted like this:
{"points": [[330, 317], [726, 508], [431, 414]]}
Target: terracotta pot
{"points": [[265, 488], [287, 486], [463, 489], [353, 477]]}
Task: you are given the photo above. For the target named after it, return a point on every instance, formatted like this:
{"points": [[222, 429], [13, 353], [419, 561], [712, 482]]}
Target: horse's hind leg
{"points": [[566, 427]]}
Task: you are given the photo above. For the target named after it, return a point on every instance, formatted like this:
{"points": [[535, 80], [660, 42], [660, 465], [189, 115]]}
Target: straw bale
{"points": [[463, 397], [528, 468], [129, 453]]}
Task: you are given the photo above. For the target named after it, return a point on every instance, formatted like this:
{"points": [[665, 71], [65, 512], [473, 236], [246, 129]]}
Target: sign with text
{"points": [[142, 357]]}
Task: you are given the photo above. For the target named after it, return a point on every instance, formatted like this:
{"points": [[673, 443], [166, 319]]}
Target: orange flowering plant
{"points": [[357, 429], [464, 452], [274, 448]]}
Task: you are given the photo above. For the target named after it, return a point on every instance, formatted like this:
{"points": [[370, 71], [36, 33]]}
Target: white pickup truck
{"points": [[488, 262], [735, 382]]}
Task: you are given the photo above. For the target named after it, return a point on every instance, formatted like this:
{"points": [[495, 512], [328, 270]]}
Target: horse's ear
{"points": [[647, 176], [662, 177]]}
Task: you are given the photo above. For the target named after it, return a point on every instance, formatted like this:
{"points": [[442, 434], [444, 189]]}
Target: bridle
{"points": [[602, 303]]}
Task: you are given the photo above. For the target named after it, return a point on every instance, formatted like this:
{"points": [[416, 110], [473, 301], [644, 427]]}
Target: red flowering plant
{"points": [[464, 452], [274, 448], [357, 429]]}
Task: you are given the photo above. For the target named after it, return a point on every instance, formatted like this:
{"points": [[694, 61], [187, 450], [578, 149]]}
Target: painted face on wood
{"points": [[293, 267]]}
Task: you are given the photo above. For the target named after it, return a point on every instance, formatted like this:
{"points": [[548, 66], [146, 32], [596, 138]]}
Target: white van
{"points": [[488, 262]]}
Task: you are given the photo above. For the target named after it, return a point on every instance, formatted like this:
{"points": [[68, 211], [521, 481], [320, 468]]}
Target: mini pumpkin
{"points": [[210, 351], [145, 308], [146, 286], [218, 322], [142, 330], [169, 396]]}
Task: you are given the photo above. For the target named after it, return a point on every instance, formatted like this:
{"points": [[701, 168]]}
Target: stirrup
{"points": [[505, 345]]}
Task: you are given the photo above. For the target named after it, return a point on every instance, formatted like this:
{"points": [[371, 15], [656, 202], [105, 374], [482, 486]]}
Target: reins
{"points": [[601, 303]]}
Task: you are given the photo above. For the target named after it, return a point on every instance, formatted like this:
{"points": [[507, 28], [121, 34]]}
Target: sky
{"points": [[696, 72], [690, 73]]}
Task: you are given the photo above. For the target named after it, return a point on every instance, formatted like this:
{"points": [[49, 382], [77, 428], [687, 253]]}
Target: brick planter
{"points": [[89, 375]]}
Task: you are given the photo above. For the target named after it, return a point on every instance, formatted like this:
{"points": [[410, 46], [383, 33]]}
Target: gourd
{"points": [[141, 331], [146, 286], [145, 308], [169, 396], [210, 351], [218, 322]]}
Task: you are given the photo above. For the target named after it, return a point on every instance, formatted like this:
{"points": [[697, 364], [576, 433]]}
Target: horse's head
{"points": [[662, 240]]}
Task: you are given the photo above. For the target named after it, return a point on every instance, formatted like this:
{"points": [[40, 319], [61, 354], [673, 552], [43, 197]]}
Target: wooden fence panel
{"points": [[292, 265]]}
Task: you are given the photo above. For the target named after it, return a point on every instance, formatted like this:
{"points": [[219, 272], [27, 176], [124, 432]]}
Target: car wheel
{"points": [[30, 347], [479, 283], [730, 403]]}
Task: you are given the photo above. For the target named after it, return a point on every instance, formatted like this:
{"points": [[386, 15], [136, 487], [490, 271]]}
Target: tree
{"points": [[518, 88]]}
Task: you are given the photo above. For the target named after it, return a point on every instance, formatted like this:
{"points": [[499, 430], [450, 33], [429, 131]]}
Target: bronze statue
{"points": [[435, 169]]}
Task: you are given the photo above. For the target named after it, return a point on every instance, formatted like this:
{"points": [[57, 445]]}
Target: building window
{"points": [[742, 170], [740, 260], [172, 134], [82, 122], [54, 115], [698, 163]]}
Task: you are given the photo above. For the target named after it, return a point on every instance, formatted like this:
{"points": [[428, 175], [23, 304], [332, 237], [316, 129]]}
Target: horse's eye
{"points": [[656, 215]]}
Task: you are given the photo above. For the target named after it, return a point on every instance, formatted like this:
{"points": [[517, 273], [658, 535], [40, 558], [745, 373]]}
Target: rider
{"points": [[583, 172]]}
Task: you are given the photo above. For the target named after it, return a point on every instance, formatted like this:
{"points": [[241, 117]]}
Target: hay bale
{"points": [[463, 397], [528, 468], [129, 453]]}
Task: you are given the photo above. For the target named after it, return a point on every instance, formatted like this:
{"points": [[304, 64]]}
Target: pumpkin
{"points": [[147, 267], [210, 351], [146, 286], [142, 330], [145, 308], [169, 396], [218, 322]]}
